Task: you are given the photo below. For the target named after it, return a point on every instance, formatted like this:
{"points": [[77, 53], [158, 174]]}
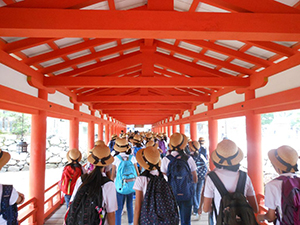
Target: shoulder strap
{"points": [[240, 187], [218, 183], [120, 157], [130, 157], [170, 157]]}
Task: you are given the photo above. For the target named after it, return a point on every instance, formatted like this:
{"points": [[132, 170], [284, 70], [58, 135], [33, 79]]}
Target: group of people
{"points": [[135, 166]]}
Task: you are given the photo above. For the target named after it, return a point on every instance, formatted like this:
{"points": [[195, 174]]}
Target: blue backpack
{"points": [[8, 212], [126, 175], [159, 206], [201, 163], [180, 177]]}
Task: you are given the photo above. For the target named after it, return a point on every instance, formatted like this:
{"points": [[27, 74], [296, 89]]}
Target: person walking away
{"points": [[202, 168], [112, 142], [153, 190], [162, 144], [282, 194], [9, 197], [227, 157], [94, 198], [124, 173], [72, 171], [181, 171], [203, 149]]}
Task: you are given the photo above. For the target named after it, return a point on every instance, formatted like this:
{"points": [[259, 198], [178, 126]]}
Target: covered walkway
{"points": [[168, 63]]}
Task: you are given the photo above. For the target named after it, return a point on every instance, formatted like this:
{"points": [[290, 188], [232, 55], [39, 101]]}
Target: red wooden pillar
{"points": [[74, 130], [100, 131], [110, 131], [106, 134], [38, 159], [213, 135], [174, 128], [254, 154], [182, 128], [91, 133], [170, 130], [193, 131]]}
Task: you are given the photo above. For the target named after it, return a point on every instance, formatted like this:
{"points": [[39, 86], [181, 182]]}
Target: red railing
{"points": [[262, 209], [27, 211]]}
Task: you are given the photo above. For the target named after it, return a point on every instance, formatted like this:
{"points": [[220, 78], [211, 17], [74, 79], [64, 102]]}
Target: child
{"points": [[226, 158], [284, 160], [100, 157], [123, 153]]}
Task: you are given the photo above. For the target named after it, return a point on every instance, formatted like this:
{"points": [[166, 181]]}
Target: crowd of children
{"points": [[172, 175]]}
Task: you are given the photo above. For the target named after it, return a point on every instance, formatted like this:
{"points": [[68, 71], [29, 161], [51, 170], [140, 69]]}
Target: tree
{"points": [[267, 118]]}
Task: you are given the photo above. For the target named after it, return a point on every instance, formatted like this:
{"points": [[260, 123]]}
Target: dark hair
{"points": [[93, 180], [231, 168], [138, 144], [73, 165]]}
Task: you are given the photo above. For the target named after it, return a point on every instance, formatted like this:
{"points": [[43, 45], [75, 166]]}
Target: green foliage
{"points": [[267, 118], [20, 123]]}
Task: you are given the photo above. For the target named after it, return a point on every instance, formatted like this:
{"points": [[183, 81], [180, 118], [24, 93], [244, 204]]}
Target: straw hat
{"points": [[137, 139], [178, 141], [201, 139], [4, 158], [121, 145], [194, 146], [99, 142], [227, 153], [74, 155], [284, 158], [114, 137], [147, 156], [100, 156]]}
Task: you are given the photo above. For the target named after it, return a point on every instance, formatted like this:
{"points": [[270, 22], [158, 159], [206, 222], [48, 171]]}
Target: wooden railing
{"points": [[262, 209], [53, 199]]}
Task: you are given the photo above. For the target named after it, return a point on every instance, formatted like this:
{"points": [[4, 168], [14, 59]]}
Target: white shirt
{"points": [[229, 179], [13, 199], [273, 194], [109, 196], [141, 182], [165, 162]]}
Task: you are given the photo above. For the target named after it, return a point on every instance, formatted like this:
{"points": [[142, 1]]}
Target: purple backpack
{"points": [[162, 146], [290, 200]]}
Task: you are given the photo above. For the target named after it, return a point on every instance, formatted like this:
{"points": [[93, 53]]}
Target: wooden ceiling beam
{"points": [[145, 99], [29, 22], [143, 82], [130, 106], [20, 45]]}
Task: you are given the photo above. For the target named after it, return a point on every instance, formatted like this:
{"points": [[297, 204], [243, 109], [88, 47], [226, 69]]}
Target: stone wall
{"points": [[56, 150]]}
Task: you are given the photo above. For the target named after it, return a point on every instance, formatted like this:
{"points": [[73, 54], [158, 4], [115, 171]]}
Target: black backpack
{"points": [[159, 206], [234, 208], [86, 210], [8, 212]]}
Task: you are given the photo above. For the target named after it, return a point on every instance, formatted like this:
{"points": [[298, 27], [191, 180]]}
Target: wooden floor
{"points": [[57, 218]]}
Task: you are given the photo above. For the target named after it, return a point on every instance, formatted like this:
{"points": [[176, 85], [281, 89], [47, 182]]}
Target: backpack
{"points": [[8, 212], [290, 200], [86, 210], [126, 175], [159, 205], [162, 146], [180, 177], [69, 178], [234, 208], [201, 164]]}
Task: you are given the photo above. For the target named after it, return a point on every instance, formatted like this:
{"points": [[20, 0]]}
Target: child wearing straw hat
{"points": [[100, 157], [15, 197], [284, 160], [177, 145], [226, 158], [70, 174], [123, 153]]}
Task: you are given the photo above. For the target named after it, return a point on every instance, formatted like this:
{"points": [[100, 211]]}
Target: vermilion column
{"points": [[213, 135], [193, 131], [170, 130], [254, 154], [110, 131], [74, 130], [100, 131], [38, 159], [182, 128], [91, 133], [106, 133], [174, 128]]}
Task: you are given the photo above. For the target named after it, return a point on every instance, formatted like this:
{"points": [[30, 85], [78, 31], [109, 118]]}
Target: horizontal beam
{"points": [[142, 82], [131, 106], [144, 99], [28, 22]]}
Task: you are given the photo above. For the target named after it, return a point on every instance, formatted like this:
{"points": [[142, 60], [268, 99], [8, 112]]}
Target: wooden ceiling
{"points": [[140, 61]]}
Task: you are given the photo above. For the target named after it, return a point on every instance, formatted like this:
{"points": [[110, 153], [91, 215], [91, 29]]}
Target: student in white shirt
{"points": [[284, 160], [226, 158], [149, 159], [15, 197], [100, 157]]}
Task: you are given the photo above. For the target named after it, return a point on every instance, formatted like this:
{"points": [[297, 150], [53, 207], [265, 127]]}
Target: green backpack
{"points": [[234, 208]]}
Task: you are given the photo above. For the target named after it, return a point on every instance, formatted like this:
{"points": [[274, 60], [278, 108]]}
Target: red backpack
{"points": [[69, 177]]}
